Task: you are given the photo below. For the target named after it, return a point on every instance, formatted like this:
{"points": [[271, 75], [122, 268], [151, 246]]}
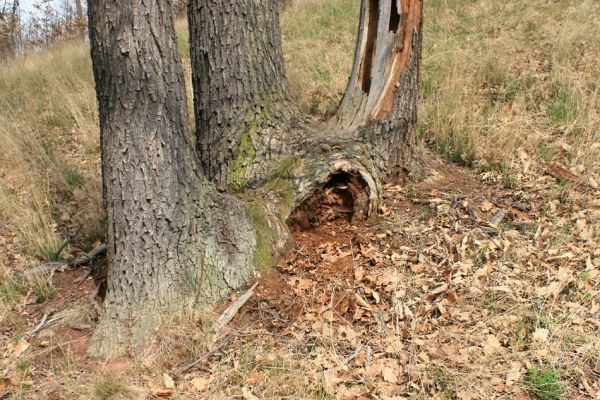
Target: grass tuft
{"points": [[43, 287], [110, 386], [544, 383]]}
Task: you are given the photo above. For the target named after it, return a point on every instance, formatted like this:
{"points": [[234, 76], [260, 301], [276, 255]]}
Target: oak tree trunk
{"points": [[172, 239], [189, 224]]}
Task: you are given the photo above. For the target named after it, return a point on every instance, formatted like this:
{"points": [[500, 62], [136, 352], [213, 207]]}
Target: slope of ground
{"points": [[477, 283]]}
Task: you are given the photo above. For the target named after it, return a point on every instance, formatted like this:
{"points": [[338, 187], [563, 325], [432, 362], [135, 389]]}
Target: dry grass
{"points": [[318, 43], [111, 386], [498, 77], [504, 76], [49, 153]]}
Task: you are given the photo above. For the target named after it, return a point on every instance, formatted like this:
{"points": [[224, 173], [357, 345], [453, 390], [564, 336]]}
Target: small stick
{"points": [[74, 262], [232, 310], [353, 355], [38, 326], [66, 242]]}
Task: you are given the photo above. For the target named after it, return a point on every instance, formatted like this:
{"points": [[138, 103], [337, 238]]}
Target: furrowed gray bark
{"points": [[247, 126], [239, 81], [174, 236], [172, 239]]}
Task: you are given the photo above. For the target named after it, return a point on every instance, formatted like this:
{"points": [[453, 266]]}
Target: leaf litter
{"points": [[457, 290]]}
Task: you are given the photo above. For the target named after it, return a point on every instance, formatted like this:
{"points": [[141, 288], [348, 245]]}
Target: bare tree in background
{"points": [[52, 21], [9, 29], [80, 19]]}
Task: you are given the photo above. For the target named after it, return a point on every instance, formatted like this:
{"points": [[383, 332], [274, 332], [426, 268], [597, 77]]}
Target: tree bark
{"points": [[172, 239], [239, 81], [176, 233], [246, 123]]}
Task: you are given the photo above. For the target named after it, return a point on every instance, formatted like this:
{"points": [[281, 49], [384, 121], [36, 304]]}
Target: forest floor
{"points": [[461, 288]]}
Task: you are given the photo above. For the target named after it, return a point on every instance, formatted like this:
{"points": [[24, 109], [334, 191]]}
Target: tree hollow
{"points": [[346, 195]]}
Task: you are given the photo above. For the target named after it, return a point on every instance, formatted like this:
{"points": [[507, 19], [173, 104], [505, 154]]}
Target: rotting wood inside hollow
{"points": [[394, 17], [344, 195]]}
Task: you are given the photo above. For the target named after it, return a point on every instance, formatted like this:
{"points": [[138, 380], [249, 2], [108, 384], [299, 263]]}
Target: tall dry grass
{"points": [[49, 153], [503, 76], [318, 44], [498, 76]]}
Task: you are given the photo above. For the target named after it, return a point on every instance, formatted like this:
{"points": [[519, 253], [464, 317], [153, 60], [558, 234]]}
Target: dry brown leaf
{"points": [[376, 297], [373, 370], [390, 375], [486, 206], [200, 383], [361, 302], [359, 273], [168, 381], [21, 347], [491, 345], [450, 298], [417, 268], [254, 377], [514, 375]]}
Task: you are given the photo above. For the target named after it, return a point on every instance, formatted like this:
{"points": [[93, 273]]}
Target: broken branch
{"points": [[52, 266]]}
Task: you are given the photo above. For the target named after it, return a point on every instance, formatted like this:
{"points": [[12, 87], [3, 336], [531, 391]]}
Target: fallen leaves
{"points": [[414, 307], [491, 345]]}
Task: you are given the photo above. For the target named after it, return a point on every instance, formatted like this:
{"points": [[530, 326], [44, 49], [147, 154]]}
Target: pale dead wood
{"points": [[232, 310]]}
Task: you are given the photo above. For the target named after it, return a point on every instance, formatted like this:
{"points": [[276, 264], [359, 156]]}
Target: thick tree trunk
{"points": [[171, 238], [246, 124], [239, 82]]}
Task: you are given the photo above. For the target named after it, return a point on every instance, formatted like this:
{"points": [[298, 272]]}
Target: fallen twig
{"points": [[73, 262], [232, 310], [66, 242], [38, 326]]}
